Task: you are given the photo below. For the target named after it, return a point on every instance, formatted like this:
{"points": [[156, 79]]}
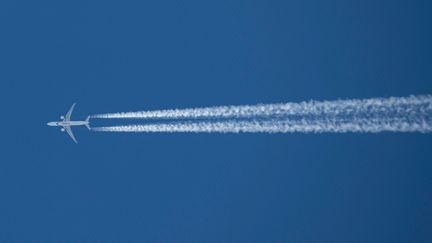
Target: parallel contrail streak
{"points": [[281, 126], [383, 106], [409, 114]]}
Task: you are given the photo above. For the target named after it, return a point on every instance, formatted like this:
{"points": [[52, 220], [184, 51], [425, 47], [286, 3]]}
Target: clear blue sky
{"points": [[135, 55]]}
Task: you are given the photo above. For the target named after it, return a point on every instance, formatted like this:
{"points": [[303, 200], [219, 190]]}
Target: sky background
{"points": [[114, 56]]}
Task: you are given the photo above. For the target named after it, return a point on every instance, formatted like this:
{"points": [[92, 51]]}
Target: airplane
{"points": [[66, 123]]}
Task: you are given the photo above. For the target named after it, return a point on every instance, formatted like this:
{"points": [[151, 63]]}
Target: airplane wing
{"points": [[69, 131], [69, 114]]}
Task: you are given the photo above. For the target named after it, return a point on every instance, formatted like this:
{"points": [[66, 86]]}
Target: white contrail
{"points": [[372, 125], [275, 127], [381, 106], [406, 114]]}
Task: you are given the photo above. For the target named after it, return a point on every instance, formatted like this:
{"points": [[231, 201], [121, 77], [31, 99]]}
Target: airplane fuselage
{"points": [[68, 123]]}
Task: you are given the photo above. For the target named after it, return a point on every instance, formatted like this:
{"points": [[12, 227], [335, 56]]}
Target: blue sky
{"points": [[136, 55]]}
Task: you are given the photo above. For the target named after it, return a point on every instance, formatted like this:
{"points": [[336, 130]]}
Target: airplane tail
{"points": [[88, 123]]}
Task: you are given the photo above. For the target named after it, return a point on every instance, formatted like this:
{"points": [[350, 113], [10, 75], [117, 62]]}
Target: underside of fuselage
{"points": [[71, 123]]}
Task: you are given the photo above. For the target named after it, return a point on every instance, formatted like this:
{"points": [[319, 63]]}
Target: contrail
{"points": [[281, 126], [406, 114], [411, 104]]}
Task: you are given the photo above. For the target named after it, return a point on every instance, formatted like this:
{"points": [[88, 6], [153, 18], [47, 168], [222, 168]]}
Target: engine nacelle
{"points": [[61, 117], [62, 129]]}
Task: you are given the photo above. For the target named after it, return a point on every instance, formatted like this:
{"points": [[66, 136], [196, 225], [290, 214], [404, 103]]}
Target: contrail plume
{"points": [[405, 114], [335, 125], [383, 106]]}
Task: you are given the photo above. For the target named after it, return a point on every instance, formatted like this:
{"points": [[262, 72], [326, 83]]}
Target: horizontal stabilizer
{"points": [[88, 123]]}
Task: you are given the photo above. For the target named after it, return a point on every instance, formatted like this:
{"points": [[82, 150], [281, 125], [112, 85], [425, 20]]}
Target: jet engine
{"points": [[61, 117], [62, 129]]}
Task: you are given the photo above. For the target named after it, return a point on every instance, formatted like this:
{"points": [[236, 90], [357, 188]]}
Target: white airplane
{"points": [[66, 123]]}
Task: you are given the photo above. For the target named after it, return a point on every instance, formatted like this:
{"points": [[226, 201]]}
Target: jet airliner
{"points": [[66, 123]]}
